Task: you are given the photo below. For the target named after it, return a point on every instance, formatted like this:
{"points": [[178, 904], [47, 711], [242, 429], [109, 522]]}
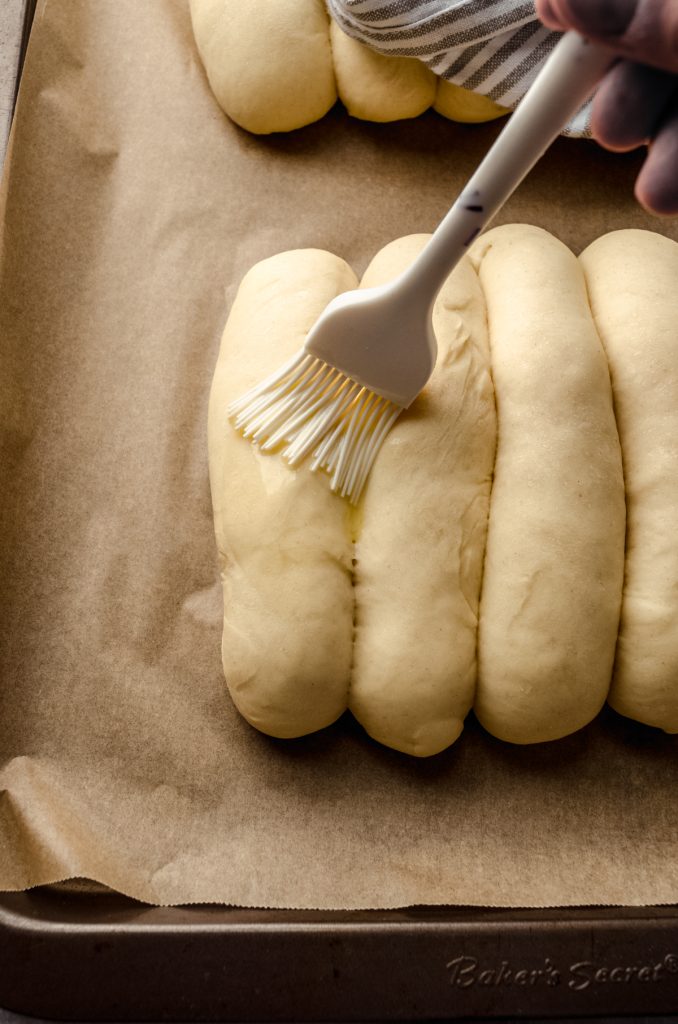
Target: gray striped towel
{"points": [[492, 47]]}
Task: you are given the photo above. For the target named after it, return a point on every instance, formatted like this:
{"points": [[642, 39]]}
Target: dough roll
{"points": [[375, 87], [268, 62], [554, 563], [632, 278], [283, 538], [421, 533], [459, 104]]}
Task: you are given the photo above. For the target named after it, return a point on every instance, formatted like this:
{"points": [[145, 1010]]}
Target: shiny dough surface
{"points": [[485, 564], [284, 547], [303, 575]]}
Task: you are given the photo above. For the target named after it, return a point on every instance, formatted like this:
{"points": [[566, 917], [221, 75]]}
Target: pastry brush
{"points": [[372, 350]]}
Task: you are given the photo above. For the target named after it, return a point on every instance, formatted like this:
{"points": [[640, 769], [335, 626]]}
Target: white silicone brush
{"points": [[372, 351]]}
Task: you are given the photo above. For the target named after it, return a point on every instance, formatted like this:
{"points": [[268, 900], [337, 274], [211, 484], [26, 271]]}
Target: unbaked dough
{"points": [[375, 87], [554, 563], [286, 543], [268, 62], [632, 279], [282, 537], [459, 104], [401, 609], [276, 65], [419, 552]]}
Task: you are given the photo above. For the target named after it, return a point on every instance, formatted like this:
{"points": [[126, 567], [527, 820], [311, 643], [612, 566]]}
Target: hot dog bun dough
{"points": [[268, 62], [277, 65], [555, 547], [421, 532], [485, 564], [283, 541], [297, 589], [459, 104], [375, 87], [632, 279]]}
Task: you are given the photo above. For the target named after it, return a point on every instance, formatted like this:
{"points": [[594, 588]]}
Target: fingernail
{"points": [[602, 17]]}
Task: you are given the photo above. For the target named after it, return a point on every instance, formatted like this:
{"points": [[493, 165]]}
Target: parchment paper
{"points": [[131, 210]]}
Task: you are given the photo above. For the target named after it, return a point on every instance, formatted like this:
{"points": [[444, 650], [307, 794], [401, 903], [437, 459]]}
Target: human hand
{"points": [[637, 102]]}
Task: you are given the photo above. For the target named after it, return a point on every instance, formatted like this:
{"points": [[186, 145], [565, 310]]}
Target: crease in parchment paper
{"points": [[130, 210]]}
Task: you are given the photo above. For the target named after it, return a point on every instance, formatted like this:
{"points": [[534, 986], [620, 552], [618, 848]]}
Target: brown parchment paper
{"points": [[131, 208]]}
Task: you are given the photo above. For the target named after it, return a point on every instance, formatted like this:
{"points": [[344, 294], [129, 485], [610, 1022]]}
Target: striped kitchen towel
{"points": [[493, 47]]}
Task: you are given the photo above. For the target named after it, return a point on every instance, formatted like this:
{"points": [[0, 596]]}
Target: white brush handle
{"points": [[563, 85]]}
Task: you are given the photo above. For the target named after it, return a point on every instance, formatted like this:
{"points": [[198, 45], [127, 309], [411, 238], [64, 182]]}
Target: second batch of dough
{"points": [[277, 66], [515, 550]]}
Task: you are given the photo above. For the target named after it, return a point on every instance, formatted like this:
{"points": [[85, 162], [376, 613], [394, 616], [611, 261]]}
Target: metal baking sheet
{"points": [[15, 22], [95, 955]]}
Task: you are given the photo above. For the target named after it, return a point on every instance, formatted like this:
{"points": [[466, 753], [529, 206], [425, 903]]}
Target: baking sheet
{"points": [[11, 24], [130, 210]]}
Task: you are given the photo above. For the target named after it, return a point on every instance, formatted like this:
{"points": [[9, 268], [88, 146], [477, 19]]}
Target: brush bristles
{"points": [[313, 408]]}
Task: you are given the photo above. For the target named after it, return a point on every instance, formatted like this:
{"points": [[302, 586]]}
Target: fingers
{"points": [[604, 17], [641, 30], [637, 103], [630, 105], [657, 184]]}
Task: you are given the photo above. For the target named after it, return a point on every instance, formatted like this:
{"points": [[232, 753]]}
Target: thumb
{"points": [[645, 31]]}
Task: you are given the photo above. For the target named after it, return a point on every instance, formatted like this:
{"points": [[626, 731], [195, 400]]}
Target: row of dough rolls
{"points": [[277, 65], [327, 609], [486, 564]]}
